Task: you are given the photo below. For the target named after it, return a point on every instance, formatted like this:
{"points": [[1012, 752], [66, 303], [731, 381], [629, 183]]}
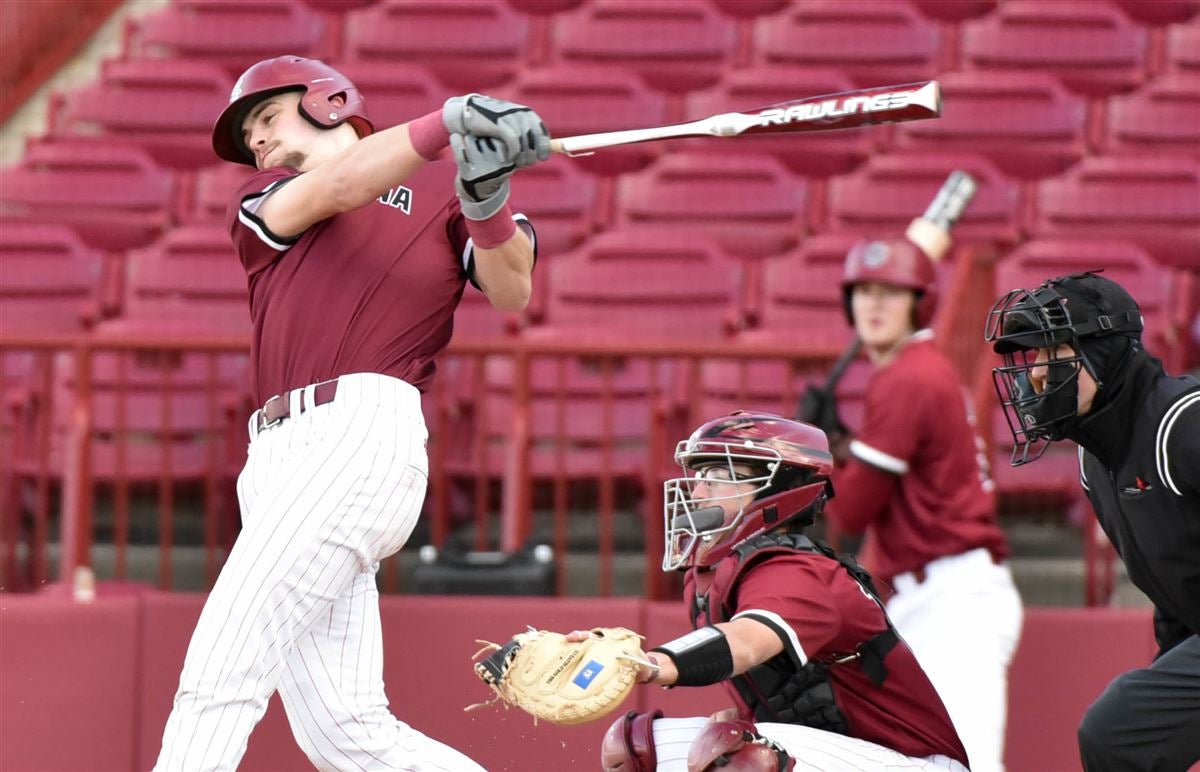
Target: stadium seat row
{"points": [[116, 198], [681, 45], [1027, 122]]}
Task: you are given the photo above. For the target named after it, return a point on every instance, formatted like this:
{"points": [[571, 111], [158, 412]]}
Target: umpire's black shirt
{"points": [[1140, 466]]}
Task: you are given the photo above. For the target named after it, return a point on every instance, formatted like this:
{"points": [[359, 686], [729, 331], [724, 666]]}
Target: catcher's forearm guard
{"points": [[564, 682]]}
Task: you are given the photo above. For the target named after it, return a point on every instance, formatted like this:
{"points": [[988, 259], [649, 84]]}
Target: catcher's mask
{"points": [[319, 83], [759, 471], [1030, 329]]}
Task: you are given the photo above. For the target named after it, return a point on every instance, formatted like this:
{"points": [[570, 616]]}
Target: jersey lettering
{"points": [[398, 198]]}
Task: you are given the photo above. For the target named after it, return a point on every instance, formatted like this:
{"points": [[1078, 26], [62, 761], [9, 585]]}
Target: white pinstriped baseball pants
{"points": [[813, 749], [325, 495]]}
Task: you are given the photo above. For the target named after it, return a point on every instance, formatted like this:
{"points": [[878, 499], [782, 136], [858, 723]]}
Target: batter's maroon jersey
{"points": [[820, 612], [372, 290], [918, 477]]}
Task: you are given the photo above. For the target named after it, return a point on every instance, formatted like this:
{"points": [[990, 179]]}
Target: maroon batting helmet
{"points": [[320, 84], [791, 466], [897, 262]]}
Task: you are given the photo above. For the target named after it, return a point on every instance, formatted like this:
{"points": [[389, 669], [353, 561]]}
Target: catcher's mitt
{"points": [[565, 682]]}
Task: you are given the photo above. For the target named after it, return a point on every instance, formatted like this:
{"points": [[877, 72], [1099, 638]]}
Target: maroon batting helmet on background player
{"points": [[320, 84], [892, 261], [791, 467]]}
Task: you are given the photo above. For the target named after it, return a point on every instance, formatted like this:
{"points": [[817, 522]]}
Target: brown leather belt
{"points": [[279, 407]]}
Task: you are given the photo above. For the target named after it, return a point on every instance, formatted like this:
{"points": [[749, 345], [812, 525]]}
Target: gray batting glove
{"points": [[483, 171], [517, 126]]}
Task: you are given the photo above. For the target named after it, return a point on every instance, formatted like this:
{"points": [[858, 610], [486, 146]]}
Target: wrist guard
{"points": [[702, 657]]}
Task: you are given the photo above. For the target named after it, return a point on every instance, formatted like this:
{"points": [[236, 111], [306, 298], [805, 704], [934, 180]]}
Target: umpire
{"points": [[1074, 368]]}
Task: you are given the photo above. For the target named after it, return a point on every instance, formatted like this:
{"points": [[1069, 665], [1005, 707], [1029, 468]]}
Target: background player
{"points": [[916, 480], [1074, 368], [798, 638], [357, 252]]}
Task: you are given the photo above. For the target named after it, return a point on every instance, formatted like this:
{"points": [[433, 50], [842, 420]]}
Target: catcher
{"points": [[816, 672]]}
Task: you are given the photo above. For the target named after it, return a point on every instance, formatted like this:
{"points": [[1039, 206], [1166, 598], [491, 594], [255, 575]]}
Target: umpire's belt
{"points": [[279, 407]]}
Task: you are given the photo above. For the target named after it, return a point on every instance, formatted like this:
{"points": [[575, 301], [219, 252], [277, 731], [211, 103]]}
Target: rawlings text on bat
{"points": [[846, 110]]}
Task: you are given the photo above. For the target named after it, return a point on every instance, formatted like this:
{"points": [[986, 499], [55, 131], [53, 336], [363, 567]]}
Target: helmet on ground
{"points": [[320, 84], [892, 261], [781, 469], [1092, 315]]}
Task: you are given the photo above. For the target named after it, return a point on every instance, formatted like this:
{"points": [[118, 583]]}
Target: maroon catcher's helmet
{"points": [[791, 467], [897, 262], [319, 82]]}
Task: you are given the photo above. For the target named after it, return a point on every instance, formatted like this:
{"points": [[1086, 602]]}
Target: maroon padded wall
{"points": [[68, 684], [89, 686]]}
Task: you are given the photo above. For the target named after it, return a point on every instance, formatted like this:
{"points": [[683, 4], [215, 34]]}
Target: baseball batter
{"points": [[356, 250], [797, 636], [917, 481]]}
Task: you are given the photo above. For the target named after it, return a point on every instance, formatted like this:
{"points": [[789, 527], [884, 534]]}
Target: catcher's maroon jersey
{"points": [[917, 478], [372, 290], [820, 612]]}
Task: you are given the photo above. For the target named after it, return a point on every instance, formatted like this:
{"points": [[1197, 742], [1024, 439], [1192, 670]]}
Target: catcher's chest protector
{"points": [[779, 690]]}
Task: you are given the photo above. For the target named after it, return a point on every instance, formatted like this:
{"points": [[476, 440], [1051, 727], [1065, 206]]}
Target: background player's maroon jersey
{"points": [[823, 613], [372, 290], [916, 478]]}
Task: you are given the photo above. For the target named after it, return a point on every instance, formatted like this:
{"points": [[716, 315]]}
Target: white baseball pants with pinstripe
{"points": [[813, 749], [325, 495]]}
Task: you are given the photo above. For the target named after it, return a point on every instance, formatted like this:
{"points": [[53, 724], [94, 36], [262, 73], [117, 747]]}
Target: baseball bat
{"points": [[845, 110], [930, 232]]}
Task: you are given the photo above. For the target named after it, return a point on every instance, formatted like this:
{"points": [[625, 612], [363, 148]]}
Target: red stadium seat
{"points": [[112, 195], [883, 196], [959, 10], [196, 264], [215, 187], [749, 205], [776, 387], [816, 154], [1027, 123], [674, 45], [1152, 200], [394, 93], [476, 319], [166, 107], [1049, 484], [232, 34], [1092, 47], [574, 427], [542, 7], [802, 296], [139, 434], [558, 199], [1124, 262], [339, 6], [433, 34], [655, 283], [187, 285], [874, 43], [1163, 117], [750, 8], [1183, 46], [586, 100], [1160, 11], [49, 280]]}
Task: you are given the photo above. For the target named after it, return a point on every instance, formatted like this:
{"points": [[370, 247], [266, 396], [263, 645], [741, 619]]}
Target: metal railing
{"points": [[530, 436], [519, 422]]}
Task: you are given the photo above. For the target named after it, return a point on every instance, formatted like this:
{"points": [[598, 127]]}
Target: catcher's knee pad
{"points": [[628, 745], [735, 746]]}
